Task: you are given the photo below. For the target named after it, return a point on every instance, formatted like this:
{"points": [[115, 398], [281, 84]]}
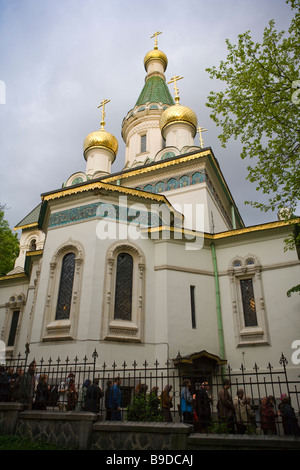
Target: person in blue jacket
{"points": [[115, 400], [186, 402]]}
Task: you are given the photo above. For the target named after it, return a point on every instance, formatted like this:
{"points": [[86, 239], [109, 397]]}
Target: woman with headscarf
{"points": [[166, 403], [268, 415], [71, 393]]}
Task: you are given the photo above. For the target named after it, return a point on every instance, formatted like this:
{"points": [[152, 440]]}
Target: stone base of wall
{"points": [[197, 442], [64, 429], [110, 435], [86, 431]]}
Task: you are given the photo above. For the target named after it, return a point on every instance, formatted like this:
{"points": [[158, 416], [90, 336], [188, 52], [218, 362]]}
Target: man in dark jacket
{"points": [[93, 395], [203, 407], [28, 385]]}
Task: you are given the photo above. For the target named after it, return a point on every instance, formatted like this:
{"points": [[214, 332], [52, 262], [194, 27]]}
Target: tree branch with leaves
{"points": [[260, 106]]}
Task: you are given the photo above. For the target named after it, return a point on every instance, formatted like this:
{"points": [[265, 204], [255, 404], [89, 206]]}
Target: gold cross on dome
{"points": [[200, 130], [102, 104], [174, 80], [155, 36]]}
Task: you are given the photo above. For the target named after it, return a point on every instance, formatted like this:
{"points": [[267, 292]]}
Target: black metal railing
{"points": [[145, 389]]}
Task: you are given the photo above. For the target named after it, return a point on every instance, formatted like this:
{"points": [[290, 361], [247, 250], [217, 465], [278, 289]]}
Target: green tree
{"points": [[260, 106], [9, 245]]}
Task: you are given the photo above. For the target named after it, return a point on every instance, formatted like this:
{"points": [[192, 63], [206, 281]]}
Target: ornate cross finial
{"points": [[174, 80], [103, 103], [155, 36], [200, 130]]}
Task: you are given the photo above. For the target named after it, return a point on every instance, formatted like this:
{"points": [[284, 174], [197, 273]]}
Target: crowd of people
{"points": [[35, 392], [236, 414]]}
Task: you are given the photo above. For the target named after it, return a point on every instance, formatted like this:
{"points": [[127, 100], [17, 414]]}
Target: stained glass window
{"points": [[248, 302], [123, 295], [13, 328], [65, 287]]}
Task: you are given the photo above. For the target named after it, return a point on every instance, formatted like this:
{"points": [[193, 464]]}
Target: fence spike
{"points": [[95, 354], [283, 360]]}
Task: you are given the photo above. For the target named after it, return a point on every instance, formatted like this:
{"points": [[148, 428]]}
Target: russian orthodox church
{"points": [[151, 260]]}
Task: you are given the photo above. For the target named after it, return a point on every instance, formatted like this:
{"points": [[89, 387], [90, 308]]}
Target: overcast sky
{"points": [[60, 58]]}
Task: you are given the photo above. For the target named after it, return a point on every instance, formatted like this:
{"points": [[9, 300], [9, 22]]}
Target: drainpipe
{"points": [[218, 300], [233, 217]]}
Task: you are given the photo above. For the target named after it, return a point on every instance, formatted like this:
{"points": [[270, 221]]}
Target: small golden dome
{"points": [[178, 113], [101, 138], [157, 55]]}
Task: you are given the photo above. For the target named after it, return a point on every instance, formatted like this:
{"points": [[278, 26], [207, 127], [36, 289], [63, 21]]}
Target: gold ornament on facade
{"points": [[200, 130], [101, 138], [156, 54], [178, 113]]}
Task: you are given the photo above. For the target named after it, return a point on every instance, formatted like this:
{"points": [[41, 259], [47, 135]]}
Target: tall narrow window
{"points": [[65, 287], [123, 293], [193, 312], [248, 301], [13, 328], [143, 143]]}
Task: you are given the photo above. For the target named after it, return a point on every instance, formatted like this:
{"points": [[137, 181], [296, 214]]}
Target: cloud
{"points": [[61, 58]]}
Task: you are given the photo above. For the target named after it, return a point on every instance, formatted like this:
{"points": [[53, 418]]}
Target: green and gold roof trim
{"points": [[31, 220]]}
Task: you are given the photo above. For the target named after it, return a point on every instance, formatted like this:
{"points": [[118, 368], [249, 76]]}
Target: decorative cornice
{"points": [[13, 276], [157, 166], [34, 253], [23, 227], [229, 233], [98, 185]]}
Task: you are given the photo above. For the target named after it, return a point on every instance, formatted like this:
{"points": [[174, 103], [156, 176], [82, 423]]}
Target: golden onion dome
{"points": [[178, 113], [101, 138], [156, 54]]}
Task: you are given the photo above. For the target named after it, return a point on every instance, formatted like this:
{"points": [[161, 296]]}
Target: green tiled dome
{"points": [[155, 91]]}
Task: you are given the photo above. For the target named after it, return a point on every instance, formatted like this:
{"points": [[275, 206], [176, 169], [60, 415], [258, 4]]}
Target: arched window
{"points": [[123, 293], [61, 312], [65, 287], [248, 306], [248, 301]]}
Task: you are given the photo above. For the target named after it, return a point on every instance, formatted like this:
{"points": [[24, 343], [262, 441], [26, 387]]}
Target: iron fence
{"points": [[66, 385]]}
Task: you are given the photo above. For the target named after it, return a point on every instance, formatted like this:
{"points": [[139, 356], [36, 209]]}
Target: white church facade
{"points": [[152, 260]]}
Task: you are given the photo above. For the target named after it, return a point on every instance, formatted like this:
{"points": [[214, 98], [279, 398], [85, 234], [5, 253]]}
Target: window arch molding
{"points": [[14, 313], [63, 329], [246, 280], [117, 329]]}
